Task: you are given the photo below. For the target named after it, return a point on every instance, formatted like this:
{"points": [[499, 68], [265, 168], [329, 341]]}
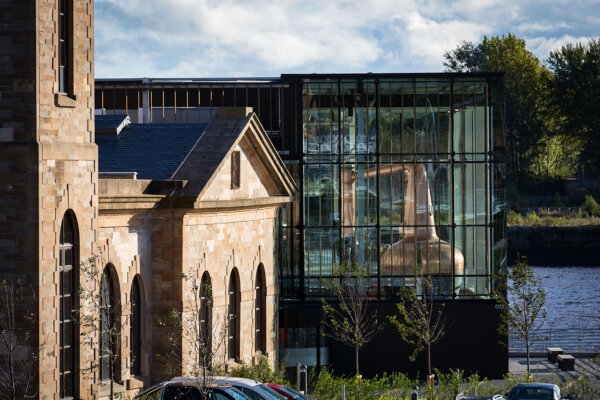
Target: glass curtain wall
{"points": [[400, 176]]}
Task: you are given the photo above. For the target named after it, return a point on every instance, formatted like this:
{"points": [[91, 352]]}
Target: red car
{"points": [[291, 394]]}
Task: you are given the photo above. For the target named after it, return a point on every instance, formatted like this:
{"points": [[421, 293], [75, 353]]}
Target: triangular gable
{"points": [[234, 128], [251, 186]]}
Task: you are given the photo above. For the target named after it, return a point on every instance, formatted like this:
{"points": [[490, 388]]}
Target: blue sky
{"points": [[227, 38]]}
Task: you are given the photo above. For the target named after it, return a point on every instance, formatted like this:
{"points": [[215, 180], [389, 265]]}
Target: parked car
{"points": [[288, 392], [253, 389], [187, 389], [493, 397], [536, 391]]}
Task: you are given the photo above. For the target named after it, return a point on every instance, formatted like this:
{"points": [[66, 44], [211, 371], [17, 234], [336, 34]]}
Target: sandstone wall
{"points": [[243, 239], [250, 184]]}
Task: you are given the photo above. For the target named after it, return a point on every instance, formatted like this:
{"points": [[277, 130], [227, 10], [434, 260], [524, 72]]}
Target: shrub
{"points": [[514, 218], [591, 206], [261, 372], [393, 386], [532, 218]]}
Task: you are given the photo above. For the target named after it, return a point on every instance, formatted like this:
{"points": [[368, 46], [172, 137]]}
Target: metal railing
{"points": [[556, 211], [582, 340]]}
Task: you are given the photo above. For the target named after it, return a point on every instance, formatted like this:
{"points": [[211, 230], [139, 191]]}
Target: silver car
{"points": [[536, 391]]}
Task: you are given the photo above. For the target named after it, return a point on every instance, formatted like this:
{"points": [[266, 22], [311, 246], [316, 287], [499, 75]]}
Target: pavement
{"points": [[540, 367]]}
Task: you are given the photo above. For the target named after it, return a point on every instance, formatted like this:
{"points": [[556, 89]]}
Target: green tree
{"points": [[575, 90], [351, 323], [420, 322], [528, 117], [522, 299]]}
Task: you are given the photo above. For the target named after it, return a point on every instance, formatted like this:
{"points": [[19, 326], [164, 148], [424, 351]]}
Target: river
{"points": [[572, 301]]}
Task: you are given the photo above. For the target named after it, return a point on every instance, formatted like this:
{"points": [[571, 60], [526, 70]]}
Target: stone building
{"points": [[205, 205], [210, 213]]}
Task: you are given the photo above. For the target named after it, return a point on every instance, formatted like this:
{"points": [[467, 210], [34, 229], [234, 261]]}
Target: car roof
{"points": [[179, 380], [239, 381], [537, 385], [194, 381]]}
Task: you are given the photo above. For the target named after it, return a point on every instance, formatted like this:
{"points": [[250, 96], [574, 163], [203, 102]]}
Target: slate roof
{"points": [[154, 151], [109, 122], [210, 151]]}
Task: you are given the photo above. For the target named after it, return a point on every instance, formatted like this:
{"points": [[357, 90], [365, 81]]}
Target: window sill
{"points": [[64, 100]]}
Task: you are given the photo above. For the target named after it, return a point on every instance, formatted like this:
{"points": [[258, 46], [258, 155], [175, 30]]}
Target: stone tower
{"points": [[48, 174]]}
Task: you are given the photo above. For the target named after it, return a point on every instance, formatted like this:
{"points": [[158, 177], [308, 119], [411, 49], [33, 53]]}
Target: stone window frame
{"points": [[136, 325], [260, 314], [65, 97], [110, 313], [205, 317], [233, 315], [68, 265], [236, 169]]}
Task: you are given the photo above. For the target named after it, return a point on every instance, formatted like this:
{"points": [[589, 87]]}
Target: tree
{"points": [[195, 337], [522, 299], [575, 90], [419, 321], [529, 119], [351, 322], [18, 358], [102, 318]]}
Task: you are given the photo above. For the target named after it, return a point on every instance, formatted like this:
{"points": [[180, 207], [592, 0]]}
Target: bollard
{"points": [[301, 378], [344, 392], [415, 393]]}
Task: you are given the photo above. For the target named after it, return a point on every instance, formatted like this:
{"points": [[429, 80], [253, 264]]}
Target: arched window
{"points": [[205, 316], [136, 327], [234, 316], [68, 331], [109, 327], [260, 311]]}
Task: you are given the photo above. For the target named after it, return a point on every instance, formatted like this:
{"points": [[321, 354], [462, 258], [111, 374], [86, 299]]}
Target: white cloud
{"points": [[541, 26], [542, 46], [180, 38]]}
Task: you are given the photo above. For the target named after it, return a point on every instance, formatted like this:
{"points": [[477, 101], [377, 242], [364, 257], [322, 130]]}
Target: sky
{"points": [[265, 38]]}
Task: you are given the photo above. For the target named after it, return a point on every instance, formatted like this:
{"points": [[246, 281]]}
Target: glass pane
{"points": [[359, 195], [470, 117], [321, 194], [470, 194]]}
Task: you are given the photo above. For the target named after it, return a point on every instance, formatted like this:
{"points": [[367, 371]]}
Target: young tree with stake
{"points": [[419, 322], [522, 299], [352, 323]]}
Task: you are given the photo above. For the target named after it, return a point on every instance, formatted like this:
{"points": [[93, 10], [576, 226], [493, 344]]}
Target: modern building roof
{"points": [[154, 151]]}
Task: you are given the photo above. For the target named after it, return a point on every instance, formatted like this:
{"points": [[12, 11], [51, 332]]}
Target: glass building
{"points": [[400, 173], [395, 172]]}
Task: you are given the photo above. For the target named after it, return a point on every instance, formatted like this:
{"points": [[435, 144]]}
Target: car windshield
{"points": [[292, 392], [528, 393], [236, 394], [270, 392]]}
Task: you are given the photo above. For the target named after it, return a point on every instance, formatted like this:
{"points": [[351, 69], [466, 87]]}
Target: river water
{"points": [[572, 294], [572, 302]]}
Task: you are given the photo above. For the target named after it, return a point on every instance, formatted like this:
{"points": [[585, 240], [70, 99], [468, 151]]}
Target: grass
{"points": [[327, 386], [532, 219]]}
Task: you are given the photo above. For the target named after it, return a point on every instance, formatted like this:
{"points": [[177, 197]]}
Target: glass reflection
{"points": [[397, 176]]}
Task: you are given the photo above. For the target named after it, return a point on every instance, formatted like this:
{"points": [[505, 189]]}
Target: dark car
{"points": [[188, 390], [536, 391]]}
